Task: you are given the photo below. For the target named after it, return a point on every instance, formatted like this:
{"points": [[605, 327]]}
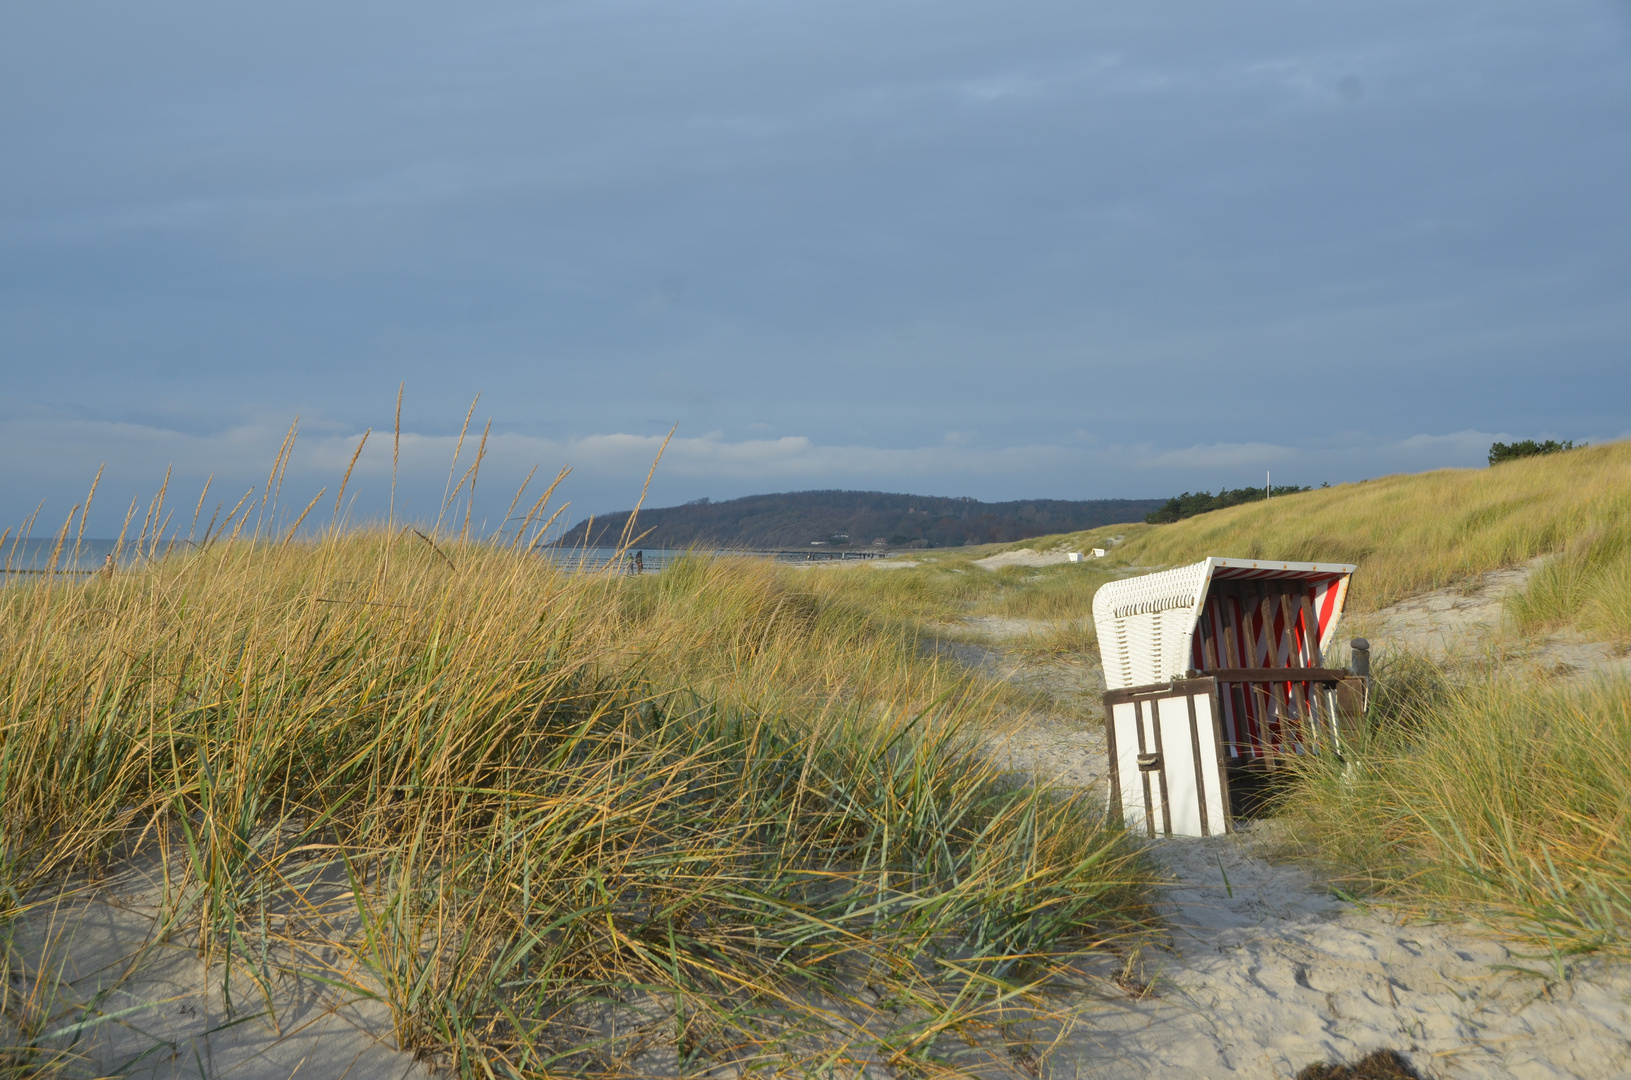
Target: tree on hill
{"points": [[1200, 502], [1501, 451]]}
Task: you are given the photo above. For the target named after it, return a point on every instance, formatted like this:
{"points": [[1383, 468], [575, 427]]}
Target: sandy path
{"points": [[1265, 971], [1022, 557], [1468, 623]]}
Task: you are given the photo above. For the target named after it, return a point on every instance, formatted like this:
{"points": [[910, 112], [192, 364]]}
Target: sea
{"points": [[29, 556], [32, 554]]}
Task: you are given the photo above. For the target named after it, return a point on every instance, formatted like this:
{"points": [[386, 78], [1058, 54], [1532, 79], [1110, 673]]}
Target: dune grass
{"points": [[559, 823], [1412, 533], [1407, 533], [1480, 791], [1497, 796], [733, 813], [1585, 586]]}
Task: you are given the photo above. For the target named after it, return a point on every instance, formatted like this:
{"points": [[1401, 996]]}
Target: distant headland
{"points": [[853, 519]]}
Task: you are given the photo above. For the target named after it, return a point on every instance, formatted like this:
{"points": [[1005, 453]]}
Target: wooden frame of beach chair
{"points": [[1253, 634]]}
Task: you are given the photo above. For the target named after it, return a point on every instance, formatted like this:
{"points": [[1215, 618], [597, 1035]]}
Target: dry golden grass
{"points": [[1479, 792], [1407, 533], [1410, 533], [572, 822], [1586, 586], [1498, 796]]}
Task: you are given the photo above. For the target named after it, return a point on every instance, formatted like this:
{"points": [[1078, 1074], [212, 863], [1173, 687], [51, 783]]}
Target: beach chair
{"points": [[1214, 675]]}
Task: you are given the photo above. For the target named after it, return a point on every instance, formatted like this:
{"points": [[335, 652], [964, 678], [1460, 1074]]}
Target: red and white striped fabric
{"points": [[1228, 613], [1288, 630], [1327, 589]]}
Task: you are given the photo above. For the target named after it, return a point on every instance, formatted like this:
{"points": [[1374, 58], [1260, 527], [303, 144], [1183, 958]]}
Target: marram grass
{"points": [[1411, 533], [1503, 797], [559, 823], [1407, 534], [1506, 795]]}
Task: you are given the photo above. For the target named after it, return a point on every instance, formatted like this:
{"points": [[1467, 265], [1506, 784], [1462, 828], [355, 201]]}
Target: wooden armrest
{"points": [[1274, 675]]}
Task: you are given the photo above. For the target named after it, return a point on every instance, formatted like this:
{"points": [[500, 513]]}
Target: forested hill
{"points": [[854, 519]]}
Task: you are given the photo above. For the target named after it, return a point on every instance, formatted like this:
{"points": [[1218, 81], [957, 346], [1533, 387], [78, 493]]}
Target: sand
{"points": [[1264, 970], [153, 1010], [1468, 624], [1022, 557]]}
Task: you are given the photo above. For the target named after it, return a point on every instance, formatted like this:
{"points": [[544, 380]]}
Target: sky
{"points": [[1020, 250]]}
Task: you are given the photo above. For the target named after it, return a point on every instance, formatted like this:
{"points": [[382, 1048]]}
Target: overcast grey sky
{"points": [[1028, 249]]}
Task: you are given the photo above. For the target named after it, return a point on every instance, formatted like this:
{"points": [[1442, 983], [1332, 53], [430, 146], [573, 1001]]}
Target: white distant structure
{"points": [[1075, 556], [1098, 553]]}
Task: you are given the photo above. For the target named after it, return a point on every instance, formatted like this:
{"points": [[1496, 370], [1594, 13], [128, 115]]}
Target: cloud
{"points": [[1221, 455], [789, 459], [609, 468], [1046, 249]]}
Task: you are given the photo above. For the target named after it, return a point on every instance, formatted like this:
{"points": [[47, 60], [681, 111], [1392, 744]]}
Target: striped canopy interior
{"points": [[1267, 618]]}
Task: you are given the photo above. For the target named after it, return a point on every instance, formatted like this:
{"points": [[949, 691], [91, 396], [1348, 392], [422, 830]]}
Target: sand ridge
{"points": [[1468, 623]]}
